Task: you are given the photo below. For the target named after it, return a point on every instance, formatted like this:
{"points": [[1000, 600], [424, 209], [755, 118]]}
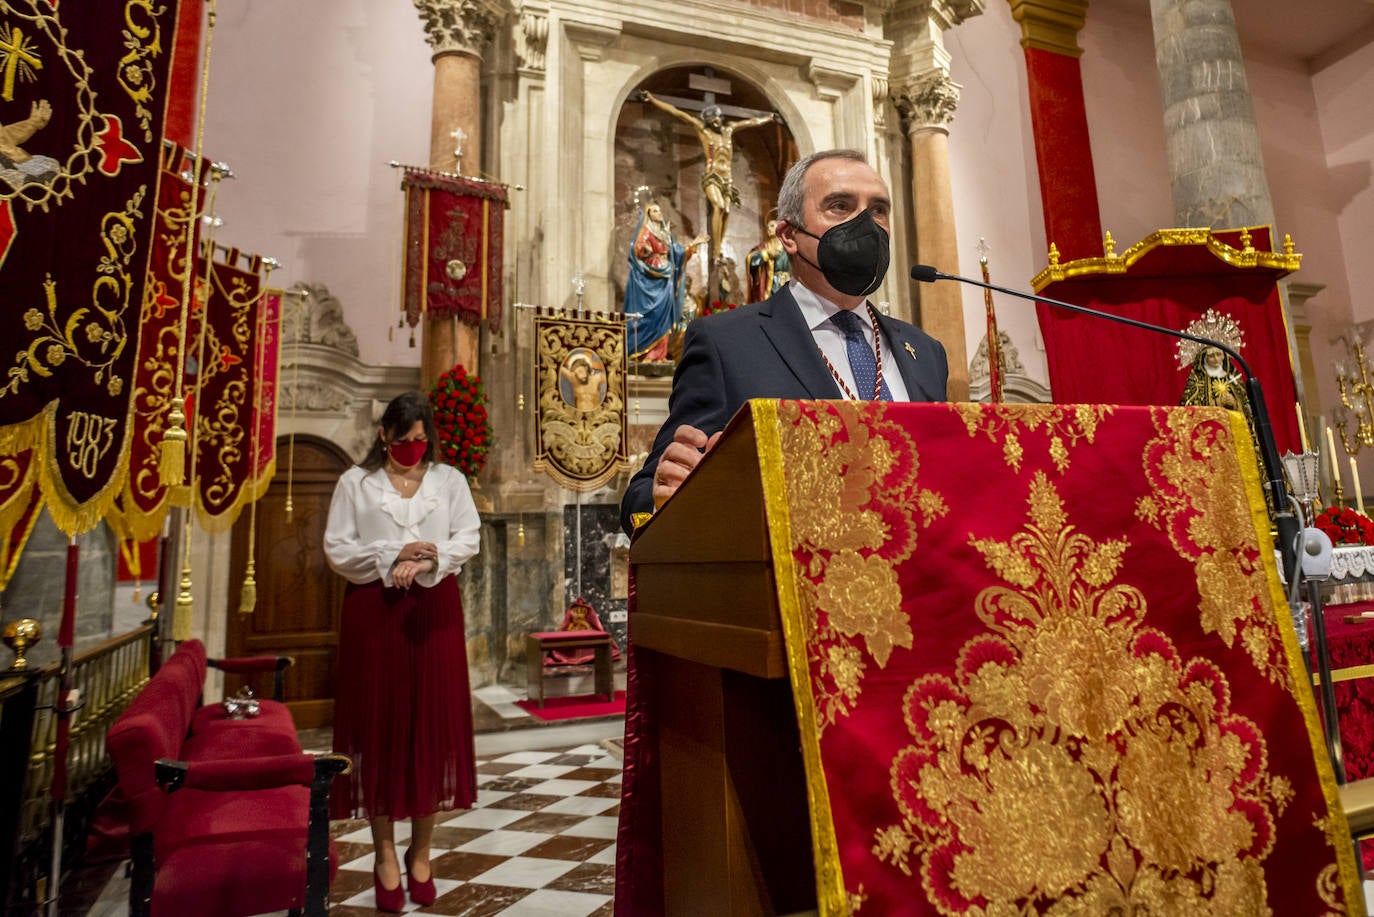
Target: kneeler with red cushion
{"points": [[1040, 662]]}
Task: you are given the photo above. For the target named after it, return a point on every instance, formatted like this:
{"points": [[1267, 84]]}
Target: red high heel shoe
{"points": [[420, 892], [391, 900]]}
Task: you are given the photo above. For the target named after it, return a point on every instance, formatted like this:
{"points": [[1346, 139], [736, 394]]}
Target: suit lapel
{"points": [[786, 329], [906, 347]]}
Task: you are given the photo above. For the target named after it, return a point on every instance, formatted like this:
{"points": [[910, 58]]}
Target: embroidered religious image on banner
{"points": [[452, 264], [581, 439], [82, 98]]}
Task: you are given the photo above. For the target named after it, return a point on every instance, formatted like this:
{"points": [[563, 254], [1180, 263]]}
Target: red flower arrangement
{"points": [[460, 418], [717, 306], [1345, 526]]}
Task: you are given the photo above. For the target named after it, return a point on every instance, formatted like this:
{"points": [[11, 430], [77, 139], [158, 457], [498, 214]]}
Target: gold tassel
{"points": [[520, 534], [171, 465], [248, 599], [181, 615]]}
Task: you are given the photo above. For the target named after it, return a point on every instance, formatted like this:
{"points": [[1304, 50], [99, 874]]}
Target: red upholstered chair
{"points": [[580, 639], [227, 817]]}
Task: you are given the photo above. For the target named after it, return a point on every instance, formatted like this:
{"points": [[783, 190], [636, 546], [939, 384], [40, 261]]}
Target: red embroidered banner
{"points": [[225, 355], [82, 95], [267, 377], [1042, 664], [453, 247], [20, 501], [144, 503]]}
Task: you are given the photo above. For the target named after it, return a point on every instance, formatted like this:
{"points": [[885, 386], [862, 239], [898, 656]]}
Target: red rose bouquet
{"points": [[1345, 526], [460, 417], [717, 306]]}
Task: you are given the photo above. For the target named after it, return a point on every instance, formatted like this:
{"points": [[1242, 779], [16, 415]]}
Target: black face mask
{"points": [[853, 255]]}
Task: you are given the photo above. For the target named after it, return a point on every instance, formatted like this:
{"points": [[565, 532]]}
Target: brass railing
{"points": [[108, 677]]}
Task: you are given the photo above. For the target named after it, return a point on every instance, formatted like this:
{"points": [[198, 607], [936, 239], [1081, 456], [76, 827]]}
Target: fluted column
{"points": [[1059, 120], [458, 31], [1215, 161]]}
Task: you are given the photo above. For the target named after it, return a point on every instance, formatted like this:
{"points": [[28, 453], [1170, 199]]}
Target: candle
{"points": [[1302, 428], [1359, 495], [1335, 466]]}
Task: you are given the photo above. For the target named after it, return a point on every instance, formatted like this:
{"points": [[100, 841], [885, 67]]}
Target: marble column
{"points": [[1215, 160], [1063, 152], [458, 31], [927, 108]]}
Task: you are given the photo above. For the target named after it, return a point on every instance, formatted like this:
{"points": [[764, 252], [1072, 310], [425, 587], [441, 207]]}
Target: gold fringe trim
{"points": [[71, 517], [831, 900]]}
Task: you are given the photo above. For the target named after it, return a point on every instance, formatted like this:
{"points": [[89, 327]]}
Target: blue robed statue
{"points": [[656, 287]]}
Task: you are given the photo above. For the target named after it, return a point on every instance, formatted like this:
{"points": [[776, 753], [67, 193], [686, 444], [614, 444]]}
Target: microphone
{"points": [[1284, 520]]}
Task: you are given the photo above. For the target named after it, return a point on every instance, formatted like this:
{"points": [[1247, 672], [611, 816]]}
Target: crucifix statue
{"points": [[717, 143]]}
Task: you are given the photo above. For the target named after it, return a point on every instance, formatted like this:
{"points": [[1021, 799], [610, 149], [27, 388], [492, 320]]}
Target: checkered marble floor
{"points": [[540, 842]]}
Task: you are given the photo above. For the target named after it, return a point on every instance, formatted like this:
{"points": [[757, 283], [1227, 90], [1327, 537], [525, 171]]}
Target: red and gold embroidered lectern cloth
{"points": [[1042, 664]]}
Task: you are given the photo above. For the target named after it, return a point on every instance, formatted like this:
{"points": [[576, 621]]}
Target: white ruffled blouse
{"points": [[369, 523]]}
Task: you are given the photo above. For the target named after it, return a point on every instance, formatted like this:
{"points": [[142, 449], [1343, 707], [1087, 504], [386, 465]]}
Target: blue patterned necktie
{"points": [[861, 361]]}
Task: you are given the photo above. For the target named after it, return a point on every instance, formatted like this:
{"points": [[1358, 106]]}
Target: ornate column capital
{"points": [[927, 103], [945, 14], [460, 26], [1051, 25]]}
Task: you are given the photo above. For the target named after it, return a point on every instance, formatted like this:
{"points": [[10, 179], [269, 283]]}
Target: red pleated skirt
{"points": [[402, 708]]}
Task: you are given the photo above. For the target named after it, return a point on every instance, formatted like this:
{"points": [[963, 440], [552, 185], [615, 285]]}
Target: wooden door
{"points": [[299, 597]]}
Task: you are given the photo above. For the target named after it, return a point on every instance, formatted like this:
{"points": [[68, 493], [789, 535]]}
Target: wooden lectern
{"points": [[736, 832]]}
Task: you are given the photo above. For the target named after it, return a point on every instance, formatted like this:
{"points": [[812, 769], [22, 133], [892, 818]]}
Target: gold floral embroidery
{"points": [[1067, 425], [1198, 500], [1075, 760], [855, 511], [102, 326]]}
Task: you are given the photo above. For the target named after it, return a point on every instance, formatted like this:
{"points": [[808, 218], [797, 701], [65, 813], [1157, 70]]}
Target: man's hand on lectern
{"points": [[682, 455]]}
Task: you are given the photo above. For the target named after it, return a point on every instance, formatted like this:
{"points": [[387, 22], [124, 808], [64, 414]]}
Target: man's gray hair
{"points": [[792, 197]]}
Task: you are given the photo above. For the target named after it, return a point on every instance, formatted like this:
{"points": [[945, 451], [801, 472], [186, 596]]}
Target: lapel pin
{"points": [[909, 349]]}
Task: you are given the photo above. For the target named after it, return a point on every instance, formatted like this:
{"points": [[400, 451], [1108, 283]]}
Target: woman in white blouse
{"points": [[401, 526]]}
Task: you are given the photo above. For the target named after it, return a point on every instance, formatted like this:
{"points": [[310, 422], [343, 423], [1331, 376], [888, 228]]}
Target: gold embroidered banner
{"points": [[82, 96], [581, 439], [1042, 664], [143, 505], [225, 355]]}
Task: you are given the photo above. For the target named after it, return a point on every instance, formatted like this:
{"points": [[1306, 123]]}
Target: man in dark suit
{"points": [[833, 221]]}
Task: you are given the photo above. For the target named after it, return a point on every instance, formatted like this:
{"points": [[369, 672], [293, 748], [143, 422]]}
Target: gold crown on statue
{"points": [[1214, 326]]}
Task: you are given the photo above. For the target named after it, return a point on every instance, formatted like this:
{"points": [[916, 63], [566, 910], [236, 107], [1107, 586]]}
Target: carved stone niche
{"points": [[1017, 387], [325, 389]]}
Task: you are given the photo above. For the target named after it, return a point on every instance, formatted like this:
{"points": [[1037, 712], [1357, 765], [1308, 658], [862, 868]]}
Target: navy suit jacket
{"points": [[766, 350]]}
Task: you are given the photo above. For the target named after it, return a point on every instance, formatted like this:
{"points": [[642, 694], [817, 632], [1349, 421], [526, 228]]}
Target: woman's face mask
{"points": [[853, 255], [407, 453]]}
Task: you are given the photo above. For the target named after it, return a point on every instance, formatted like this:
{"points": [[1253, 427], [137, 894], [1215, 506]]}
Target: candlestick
{"points": [[1302, 427], [1359, 494], [1335, 467]]}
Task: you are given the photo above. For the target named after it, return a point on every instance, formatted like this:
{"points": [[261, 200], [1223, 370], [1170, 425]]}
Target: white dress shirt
{"points": [[369, 523], [816, 311]]}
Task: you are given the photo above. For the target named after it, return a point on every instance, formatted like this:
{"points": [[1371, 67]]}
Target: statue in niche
{"points": [[718, 144], [769, 266], [656, 285]]}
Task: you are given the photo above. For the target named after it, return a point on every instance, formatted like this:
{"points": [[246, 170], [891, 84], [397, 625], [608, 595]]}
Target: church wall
{"points": [[308, 102], [1346, 121], [995, 185], [1305, 204]]}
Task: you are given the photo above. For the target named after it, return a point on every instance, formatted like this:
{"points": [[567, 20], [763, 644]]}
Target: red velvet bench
{"points": [[538, 644], [227, 816]]}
